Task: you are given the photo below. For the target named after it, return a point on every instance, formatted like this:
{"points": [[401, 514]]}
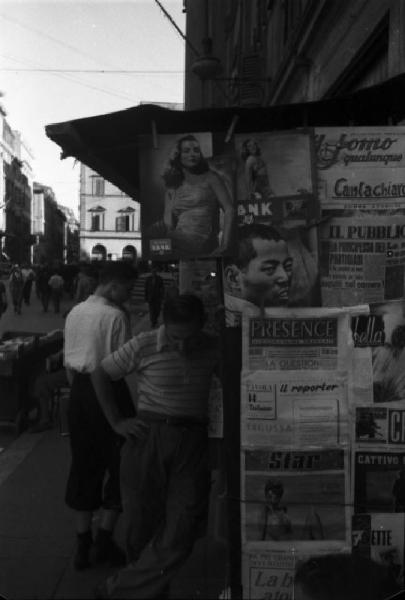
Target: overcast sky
{"points": [[38, 37]]}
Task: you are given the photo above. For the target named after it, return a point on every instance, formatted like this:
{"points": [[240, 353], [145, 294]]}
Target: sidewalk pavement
{"points": [[37, 533]]}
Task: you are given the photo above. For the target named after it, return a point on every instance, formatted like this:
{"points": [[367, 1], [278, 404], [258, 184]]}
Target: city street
{"points": [[37, 540]]}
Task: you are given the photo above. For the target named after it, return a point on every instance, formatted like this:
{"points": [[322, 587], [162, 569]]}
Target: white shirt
{"points": [[94, 329]]}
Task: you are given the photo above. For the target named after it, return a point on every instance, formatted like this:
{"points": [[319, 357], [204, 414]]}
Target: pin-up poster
{"points": [[294, 496], [301, 410], [379, 353], [294, 340], [187, 197], [276, 260], [381, 538], [275, 178]]}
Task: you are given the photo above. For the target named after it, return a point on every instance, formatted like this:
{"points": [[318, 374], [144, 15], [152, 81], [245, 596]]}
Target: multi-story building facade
{"points": [[72, 241], [285, 51], [15, 194], [109, 220], [49, 227]]}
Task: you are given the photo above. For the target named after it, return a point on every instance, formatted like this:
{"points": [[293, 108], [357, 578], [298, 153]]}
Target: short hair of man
{"points": [[247, 234], [120, 271], [345, 577], [184, 308]]}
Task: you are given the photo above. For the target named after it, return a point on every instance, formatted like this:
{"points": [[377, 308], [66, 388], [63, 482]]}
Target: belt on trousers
{"points": [[169, 420]]}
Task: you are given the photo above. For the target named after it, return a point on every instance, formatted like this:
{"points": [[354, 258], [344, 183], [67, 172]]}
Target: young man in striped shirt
{"points": [[165, 477]]}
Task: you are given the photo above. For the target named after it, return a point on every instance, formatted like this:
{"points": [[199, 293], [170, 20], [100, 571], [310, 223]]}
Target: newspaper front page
{"points": [[361, 188], [362, 259], [294, 497], [381, 537], [301, 410], [296, 339]]}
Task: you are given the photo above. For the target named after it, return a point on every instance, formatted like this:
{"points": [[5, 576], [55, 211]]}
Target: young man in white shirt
{"points": [[95, 328]]}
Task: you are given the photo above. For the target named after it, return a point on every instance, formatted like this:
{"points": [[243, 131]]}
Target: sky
{"points": [[45, 44]]}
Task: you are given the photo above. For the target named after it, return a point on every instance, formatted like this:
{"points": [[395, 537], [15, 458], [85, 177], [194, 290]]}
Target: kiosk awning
{"points": [[108, 143]]}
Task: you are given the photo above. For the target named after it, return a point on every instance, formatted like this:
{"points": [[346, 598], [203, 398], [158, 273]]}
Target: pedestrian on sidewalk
{"points": [[165, 477], [154, 294], [42, 286], [16, 284], [85, 283], [29, 276], [56, 283], [95, 328]]}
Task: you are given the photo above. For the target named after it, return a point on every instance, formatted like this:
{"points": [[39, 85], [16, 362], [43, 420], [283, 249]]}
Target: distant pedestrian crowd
{"points": [[52, 284]]}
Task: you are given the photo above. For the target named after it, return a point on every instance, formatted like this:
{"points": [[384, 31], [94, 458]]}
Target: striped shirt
{"points": [[169, 383], [94, 328]]}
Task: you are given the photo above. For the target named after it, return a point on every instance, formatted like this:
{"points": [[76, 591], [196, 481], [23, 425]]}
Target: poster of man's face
{"points": [[271, 269]]}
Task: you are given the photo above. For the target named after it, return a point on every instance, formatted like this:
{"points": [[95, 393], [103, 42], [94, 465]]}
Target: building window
{"points": [[125, 221], [97, 186], [97, 218], [122, 223], [96, 222]]}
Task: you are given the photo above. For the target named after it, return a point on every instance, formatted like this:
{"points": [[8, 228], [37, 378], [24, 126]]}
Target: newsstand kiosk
{"points": [[309, 449]]}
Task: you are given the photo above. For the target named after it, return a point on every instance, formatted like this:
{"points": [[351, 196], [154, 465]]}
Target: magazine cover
{"points": [[380, 425], [294, 496], [381, 538], [379, 480], [379, 356]]}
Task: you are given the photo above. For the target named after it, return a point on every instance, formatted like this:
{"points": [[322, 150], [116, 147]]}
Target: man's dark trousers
{"points": [[165, 483]]}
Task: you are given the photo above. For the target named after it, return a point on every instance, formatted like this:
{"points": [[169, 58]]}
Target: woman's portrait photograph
{"points": [[187, 198]]}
